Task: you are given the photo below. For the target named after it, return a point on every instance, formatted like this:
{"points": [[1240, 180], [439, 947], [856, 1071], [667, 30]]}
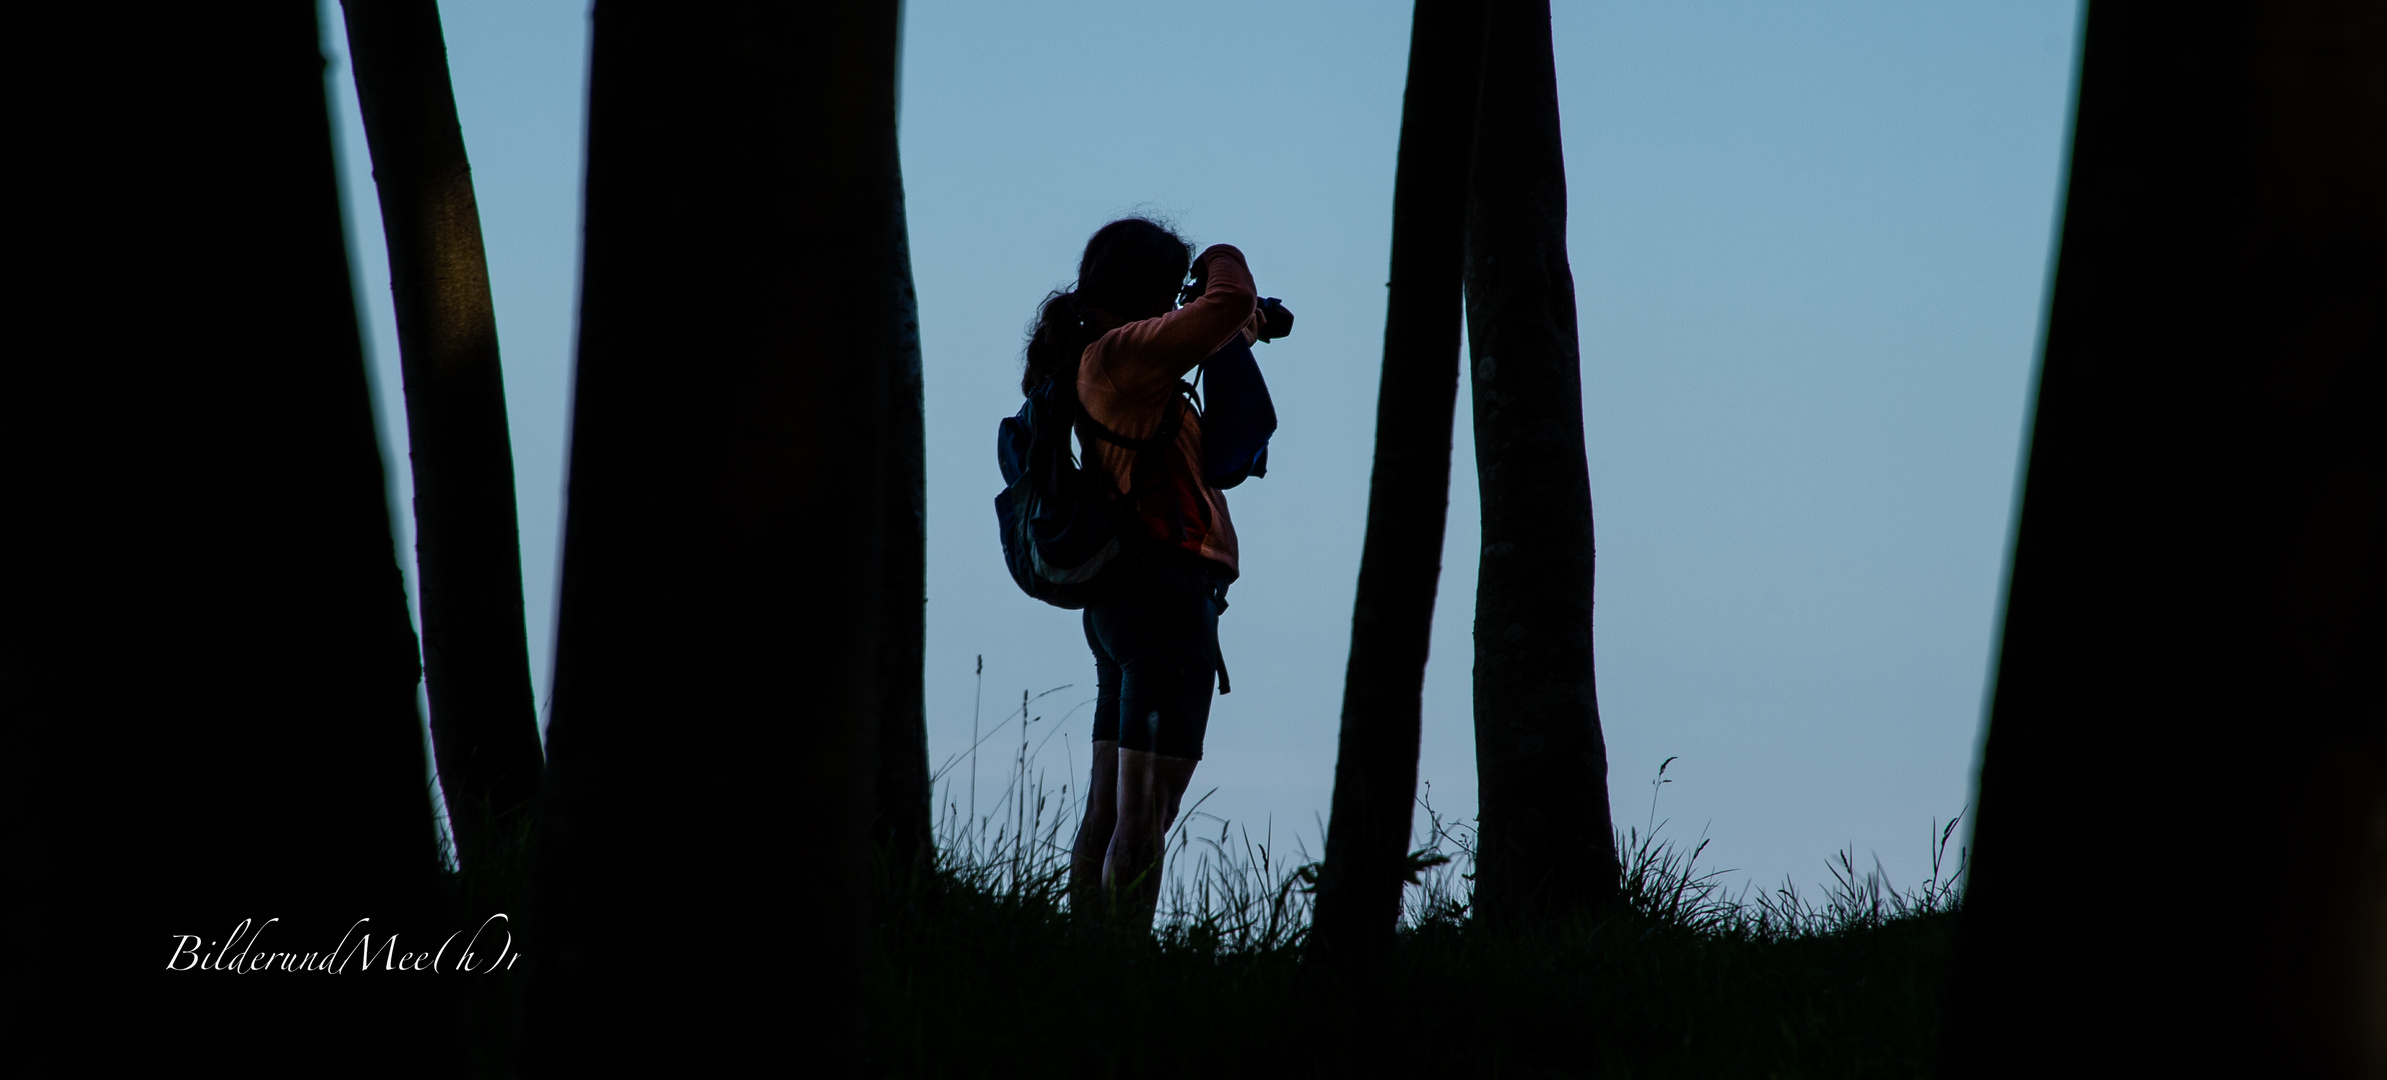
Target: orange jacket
{"points": [[1128, 377]]}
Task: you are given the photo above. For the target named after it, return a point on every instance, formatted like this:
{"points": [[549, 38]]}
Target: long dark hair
{"points": [[1131, 269]]}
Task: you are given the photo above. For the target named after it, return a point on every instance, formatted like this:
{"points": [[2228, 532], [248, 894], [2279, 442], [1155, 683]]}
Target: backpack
{"points": [[1060, 523], [1237, 415]]}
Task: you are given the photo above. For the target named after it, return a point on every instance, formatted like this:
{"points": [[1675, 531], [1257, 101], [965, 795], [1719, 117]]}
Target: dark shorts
{"points": [[1154, 632]]}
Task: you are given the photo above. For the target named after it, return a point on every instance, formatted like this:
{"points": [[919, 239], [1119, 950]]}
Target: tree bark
{"points": [[2187, 699], [1400, 561], [901, 823], [484, 725], [1545, 844], [206, 666], [709, 778]]}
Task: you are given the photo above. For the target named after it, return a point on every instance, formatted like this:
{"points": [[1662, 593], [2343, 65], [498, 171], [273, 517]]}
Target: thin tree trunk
{"points": [[901, 824], [1542, 767], [484, 726], [1400, 562], [709, 752], [207, 672], [2187, 703]]}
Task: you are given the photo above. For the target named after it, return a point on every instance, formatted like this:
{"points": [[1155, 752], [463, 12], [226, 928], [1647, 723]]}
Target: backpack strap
{"points": [[1171, 419], [1139, 475]]}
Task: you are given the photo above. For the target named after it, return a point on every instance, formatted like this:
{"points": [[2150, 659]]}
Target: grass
{"points": [[499, 882], [978, 969]]}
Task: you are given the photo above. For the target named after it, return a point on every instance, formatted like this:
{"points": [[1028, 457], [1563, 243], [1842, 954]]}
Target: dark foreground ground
{"points": [[978, 970], [967, 983]]}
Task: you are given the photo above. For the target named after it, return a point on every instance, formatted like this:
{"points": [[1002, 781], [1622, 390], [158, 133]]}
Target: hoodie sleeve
{"points": [[1142, 360]]}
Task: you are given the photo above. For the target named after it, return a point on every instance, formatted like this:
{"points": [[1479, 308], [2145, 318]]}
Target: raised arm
{"points": [[1157, 352]]}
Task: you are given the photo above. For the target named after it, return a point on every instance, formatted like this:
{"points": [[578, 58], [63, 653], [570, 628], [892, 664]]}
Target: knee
{"points": [[1131, 810]]}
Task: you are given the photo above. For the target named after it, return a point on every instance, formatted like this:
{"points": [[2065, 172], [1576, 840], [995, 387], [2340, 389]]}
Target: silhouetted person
{"points": [[1119, 338]]}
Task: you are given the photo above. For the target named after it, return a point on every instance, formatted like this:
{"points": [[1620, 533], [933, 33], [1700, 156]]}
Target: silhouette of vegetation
{"points": [[2195, 582], [900, 827], [476, 663], [701, 883], [205, 653], [211, 675], [978, 969], [490, 896], [1400, 562], [1541, 763]]}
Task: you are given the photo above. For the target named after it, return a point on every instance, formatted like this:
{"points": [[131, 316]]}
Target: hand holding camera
{"points": [[1274, 320]]}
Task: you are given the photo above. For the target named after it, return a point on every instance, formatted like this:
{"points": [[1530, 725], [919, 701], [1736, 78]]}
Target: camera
{"points": [[1275, 321]]}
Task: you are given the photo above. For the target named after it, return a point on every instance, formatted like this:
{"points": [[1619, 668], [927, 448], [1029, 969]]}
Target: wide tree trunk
{"points": [[476, 665], [701, 896], [2188, 709], [901, 823], [207, 672], [1541, 765], [1400, 561]]}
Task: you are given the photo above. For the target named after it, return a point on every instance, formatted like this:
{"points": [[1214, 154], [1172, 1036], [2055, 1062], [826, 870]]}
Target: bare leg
{"points": [[1086, 898], [1150, 788]]}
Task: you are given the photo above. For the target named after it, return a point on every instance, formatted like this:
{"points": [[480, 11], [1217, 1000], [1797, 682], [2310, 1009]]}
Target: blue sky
{"points": [[1811, 245]]}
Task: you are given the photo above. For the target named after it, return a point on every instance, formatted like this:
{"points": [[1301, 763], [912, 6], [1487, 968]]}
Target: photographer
{"points": [[1124, 342]]}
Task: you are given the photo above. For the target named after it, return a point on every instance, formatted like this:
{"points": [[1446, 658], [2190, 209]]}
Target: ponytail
{"points": [[1059, 336]]}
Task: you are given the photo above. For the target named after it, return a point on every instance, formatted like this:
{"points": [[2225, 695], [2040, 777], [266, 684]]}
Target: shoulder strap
{"points": [[1172, 417], [1146, 451], [1140, 472]]}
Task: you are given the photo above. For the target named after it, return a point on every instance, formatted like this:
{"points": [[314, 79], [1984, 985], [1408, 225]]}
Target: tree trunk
{"points": [[484, 725], [901, 824], [1400, 562], [709, 751], [206, 666], [1542, 768], [2187, 701]]}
